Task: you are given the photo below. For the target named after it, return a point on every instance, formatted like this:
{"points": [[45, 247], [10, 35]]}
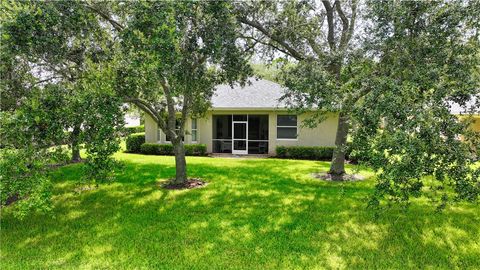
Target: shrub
{"points": [[167, 149], [305, 152], [156, 149], [196, 150], [131, 130], [134, 142]]}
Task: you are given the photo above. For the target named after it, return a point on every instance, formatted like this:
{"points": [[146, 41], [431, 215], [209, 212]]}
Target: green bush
{"points": [[305, 152], [132, 130], [134, 142], [167, 149], [156, 149], [196, 150]]}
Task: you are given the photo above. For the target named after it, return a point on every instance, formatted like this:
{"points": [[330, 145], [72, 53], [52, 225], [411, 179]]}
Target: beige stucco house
{"points": [[249, 120]]}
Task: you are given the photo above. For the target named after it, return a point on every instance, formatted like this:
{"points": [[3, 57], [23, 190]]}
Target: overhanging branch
{"points": [[147, 108], [106, 17], [287, 48]]}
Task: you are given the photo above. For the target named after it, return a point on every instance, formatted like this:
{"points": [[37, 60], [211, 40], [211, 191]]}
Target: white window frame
{"points": [[296, 128], [194, 129]]}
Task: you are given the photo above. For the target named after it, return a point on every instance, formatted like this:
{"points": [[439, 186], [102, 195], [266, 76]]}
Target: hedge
{"points": [[305, 152], [156, 149], [167, 149], [131, 130], [134, 142]]}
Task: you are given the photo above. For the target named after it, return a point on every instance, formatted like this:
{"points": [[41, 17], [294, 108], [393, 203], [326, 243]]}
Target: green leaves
{"points": [[51, 52], [425, 60], [394, 84], [103, 123]]}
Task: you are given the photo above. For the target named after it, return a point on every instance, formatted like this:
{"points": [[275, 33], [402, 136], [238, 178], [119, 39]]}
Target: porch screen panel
{"points": [[222, 133], [258, 134]]}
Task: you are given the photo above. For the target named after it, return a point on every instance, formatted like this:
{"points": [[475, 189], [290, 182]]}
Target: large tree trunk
{"points": [[180, 163], [337, 167], [75, 143]]}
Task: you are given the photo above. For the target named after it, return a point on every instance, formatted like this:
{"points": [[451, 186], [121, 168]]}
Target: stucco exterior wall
{"points": [[150, 129], [476, 125], [322, 135], [153, 135]]}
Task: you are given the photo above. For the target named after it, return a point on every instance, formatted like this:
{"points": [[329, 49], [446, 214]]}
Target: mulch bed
{"points": [[346, 177], [191, 183]]}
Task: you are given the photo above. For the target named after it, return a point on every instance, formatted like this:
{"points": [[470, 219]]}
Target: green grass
{"points": [[255, 213]]}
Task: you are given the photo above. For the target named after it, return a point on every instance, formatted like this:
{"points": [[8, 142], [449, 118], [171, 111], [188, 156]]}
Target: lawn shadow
{"points": [[253, 214]]}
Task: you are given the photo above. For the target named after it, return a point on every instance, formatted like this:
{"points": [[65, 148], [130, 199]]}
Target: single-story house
{"points": [[249, 120]]}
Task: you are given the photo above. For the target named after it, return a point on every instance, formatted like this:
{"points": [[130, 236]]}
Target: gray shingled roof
{"points": [[259, 94]]}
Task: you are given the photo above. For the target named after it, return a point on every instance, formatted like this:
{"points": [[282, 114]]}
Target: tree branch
{"points": [[315, 48], [331, 25], [345, 25], [352, 19], [270, 44], [171, 124], [46, 80], [147, 108], [105, 16], [291, 51]]}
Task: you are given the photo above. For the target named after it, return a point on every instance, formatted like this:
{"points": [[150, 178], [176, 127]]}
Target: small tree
{"points": [[175, 54], [50, 42], [50, 77], [103, 124]]}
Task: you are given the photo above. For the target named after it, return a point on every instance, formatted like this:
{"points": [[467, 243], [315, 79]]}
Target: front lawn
{"points": [[255, 213]]}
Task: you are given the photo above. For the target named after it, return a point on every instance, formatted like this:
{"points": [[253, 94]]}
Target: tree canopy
{"points": [[50, 97], [391, 70]]}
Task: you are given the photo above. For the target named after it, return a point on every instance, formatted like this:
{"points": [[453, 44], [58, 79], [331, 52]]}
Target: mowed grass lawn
{"points": [[254, 214]]}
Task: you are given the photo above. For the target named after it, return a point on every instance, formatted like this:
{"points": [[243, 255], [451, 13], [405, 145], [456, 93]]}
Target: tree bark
{"points": [[337, 167], [75, 143], [180, 163]]}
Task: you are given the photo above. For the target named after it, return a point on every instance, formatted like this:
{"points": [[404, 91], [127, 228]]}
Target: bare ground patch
{"points": [[345, 178], [189, 184]]}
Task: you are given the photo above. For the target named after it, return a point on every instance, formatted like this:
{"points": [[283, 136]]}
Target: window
{"points": [[287, 127], [194, 130]]}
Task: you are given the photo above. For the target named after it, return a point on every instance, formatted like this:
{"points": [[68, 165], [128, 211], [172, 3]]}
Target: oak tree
{"points": [[175, 53], [318, 37], [392, 86]]}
